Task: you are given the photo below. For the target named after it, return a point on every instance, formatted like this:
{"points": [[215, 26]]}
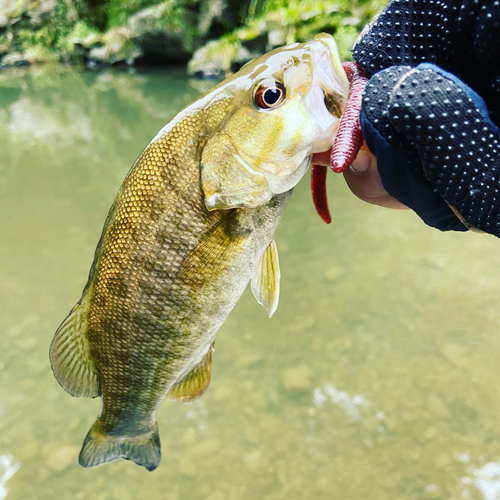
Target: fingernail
{"points": [[362, 163]]}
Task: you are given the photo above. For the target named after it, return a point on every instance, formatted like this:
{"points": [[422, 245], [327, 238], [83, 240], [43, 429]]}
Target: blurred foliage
{"points": [[103, 32], [273, 23]]}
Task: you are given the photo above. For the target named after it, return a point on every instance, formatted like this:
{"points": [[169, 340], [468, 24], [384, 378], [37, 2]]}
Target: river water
{"points": [[376, 379]]}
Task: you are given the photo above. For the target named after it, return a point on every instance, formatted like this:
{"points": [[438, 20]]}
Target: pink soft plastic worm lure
{"points": [[348, 140], [318, 189]]}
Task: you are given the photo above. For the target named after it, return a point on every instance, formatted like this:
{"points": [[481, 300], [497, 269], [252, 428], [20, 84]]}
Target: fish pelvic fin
{"points": [[100, 448], [266, 282], [195, 383], [72, 362]]}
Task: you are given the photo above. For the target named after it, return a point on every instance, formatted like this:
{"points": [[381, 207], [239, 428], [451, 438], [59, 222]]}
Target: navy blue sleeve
{"points": [[402, 181], [431, 108], [436, 146]]}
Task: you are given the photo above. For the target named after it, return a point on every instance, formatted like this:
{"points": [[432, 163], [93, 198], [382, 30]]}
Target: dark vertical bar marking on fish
{"points": [[349, 138], [318, 189]]}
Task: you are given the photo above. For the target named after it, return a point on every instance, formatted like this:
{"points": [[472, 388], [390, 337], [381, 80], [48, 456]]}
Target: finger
{"points": [[364, 181]]}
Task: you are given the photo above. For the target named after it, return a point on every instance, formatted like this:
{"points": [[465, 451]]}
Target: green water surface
{"points": [[376, 379]]}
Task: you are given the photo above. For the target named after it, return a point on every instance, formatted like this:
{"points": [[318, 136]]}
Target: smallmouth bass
{"points": [[192, 224]]}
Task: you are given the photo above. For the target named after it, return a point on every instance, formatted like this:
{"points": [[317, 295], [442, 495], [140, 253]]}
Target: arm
{"points": [[429, 169]]}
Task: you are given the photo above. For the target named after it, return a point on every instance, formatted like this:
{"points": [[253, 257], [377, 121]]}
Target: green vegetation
{"points": [[214, 35]]}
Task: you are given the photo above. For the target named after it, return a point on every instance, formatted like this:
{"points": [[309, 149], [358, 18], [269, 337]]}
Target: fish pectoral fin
{"points": [[266, 282], [227, 181], [195, 383], [214, 254], [70, 356]]}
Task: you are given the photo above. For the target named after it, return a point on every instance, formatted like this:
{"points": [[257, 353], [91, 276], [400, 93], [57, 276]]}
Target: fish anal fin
{"points": [[266, 282], [195, 383], [70, 356]]}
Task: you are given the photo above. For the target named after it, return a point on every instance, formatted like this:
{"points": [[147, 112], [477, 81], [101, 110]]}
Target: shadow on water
{"points": [[377, 378]]}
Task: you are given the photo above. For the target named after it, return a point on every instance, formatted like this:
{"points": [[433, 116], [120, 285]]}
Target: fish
{"points": [[192, 224]]}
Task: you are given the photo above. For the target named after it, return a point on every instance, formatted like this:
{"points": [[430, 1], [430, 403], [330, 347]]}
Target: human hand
{"points": [[446, 161], [407, 129], [435, 142], [363, 178]]}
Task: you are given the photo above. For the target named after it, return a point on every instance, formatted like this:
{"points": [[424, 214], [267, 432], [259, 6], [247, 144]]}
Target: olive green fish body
{"points": [[192, 224], [160, 293]]}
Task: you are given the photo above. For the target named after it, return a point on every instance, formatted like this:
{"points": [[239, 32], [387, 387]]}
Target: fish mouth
{"points": [[327, 96], [330, 74]]}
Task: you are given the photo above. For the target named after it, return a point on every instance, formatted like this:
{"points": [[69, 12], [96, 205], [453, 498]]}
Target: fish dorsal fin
{"points": [[195, 383], [72, 363], [266, 282], [227, 181]]}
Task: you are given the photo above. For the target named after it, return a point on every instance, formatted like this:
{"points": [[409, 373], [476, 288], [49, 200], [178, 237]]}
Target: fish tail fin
{"points": [[101, 448]]}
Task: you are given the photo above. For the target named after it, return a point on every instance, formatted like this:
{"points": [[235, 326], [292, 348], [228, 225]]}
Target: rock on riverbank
{"points": [[212, 36]]}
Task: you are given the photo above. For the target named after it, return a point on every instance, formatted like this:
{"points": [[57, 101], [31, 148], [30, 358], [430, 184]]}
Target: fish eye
{"points": [[269, 95]]}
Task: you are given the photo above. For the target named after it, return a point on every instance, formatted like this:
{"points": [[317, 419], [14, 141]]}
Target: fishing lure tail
{"points": [[100, 448], [349, 137]]}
